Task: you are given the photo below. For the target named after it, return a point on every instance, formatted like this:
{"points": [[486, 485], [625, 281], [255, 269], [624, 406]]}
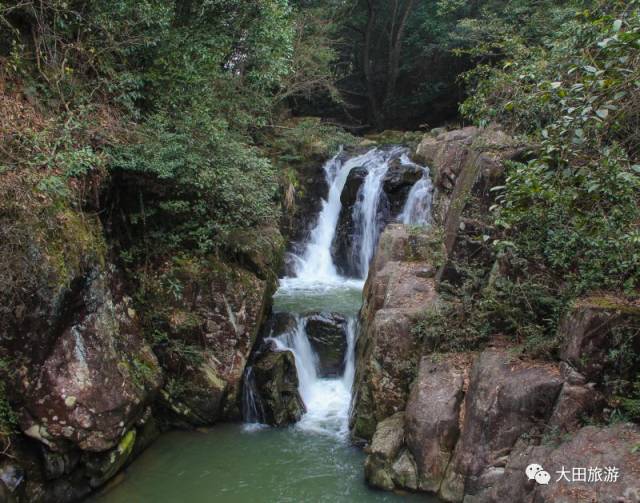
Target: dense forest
{"points": [[171, 140]]}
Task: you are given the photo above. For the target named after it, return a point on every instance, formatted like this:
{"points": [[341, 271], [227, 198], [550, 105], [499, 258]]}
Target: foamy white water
{"points": [[417, 207], [365, 211], [327, 400], [316, 265]]}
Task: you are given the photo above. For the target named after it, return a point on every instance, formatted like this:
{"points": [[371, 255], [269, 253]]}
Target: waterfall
{"points": [[327, 400], [252, 409], [297, 342], [316, 263], [350, 355], [417, 208], [365, 211]]}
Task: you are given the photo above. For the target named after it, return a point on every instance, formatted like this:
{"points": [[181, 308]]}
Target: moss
{"points": [[8, 417], [143, 371], [115, 461], [260, 250], [609, 302], [364, 426], [392, 137], [426, 245], [44, 246], [69, 239]]}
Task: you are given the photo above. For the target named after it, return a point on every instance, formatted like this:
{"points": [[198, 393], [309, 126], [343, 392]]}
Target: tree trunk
{"points": [[395, 51], [374, 112]]}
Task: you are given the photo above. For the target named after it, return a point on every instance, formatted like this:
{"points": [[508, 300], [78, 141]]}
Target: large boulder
{"points": [[592, 328], [327, 333], [211, 325], [507, 398], [433, 416], [466, 418], [466, 164], [194, 392], [46, 252], [386, 466], [98, 376], [592, 451], [446, 154], [275, 381], [354, 181]]}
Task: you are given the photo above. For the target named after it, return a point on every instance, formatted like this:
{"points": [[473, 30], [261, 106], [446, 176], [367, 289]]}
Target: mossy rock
{"points": [[103, 467]]}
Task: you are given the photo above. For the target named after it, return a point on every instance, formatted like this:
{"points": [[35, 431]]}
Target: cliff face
{"points": [[95, 365], [465, 423]]}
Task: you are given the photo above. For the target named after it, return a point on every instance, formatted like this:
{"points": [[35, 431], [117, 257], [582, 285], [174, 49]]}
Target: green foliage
{"points": [[629, 406], [574, 208], [218, 182], [8, 418], [167, 96], [450, 327], [301, 140], [522, 307]]}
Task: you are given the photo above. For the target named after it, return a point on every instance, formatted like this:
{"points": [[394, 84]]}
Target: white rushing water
{"points": [[417, 208], [328, 399], [365, 210], [316, 265]]}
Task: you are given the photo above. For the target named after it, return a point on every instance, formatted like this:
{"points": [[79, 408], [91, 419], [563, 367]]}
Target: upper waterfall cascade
{"points": [[316, 263]]}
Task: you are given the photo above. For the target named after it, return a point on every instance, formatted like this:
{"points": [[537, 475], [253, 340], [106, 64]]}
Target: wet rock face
{"points": [[276, 382], [397, 184], [355, 179], [346, 229], [280, 323], [98, 377], [327, 334]]}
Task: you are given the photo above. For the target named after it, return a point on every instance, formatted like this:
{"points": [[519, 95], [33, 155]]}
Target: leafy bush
{"points": [[573, 208]]}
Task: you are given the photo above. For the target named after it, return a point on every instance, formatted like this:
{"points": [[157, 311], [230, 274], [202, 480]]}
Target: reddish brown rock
{"points": [[506, 399], [433, 416], [591, 447], [99, 376], [396, 293]]}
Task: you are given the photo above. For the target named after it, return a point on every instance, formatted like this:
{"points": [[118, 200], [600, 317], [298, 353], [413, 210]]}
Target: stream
{"points": [[313, 460]]}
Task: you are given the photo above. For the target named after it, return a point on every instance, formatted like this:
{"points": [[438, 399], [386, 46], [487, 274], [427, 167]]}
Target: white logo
{"points": [[535, 472]]}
